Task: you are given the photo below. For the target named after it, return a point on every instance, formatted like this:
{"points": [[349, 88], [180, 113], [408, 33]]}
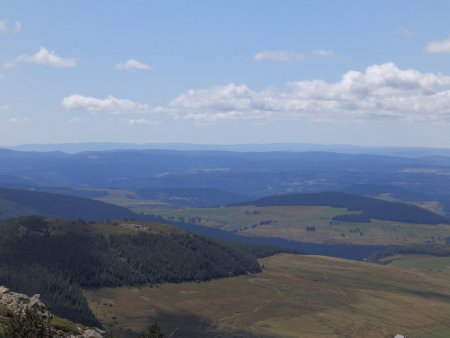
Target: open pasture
{"points": [[295, 296], [307, 224]]}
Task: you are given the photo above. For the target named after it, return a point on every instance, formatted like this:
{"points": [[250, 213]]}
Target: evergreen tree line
{"points": [[58, 265], [439, 250], [370, 208]]}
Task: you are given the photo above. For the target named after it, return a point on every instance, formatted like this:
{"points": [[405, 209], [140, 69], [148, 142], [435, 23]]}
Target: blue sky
{"points": [[224, 72]]}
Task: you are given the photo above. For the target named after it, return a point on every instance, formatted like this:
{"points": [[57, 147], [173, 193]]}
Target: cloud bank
{"points": [[380, 93]]}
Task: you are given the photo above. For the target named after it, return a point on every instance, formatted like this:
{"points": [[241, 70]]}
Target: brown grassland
{"points": [[295, 296]]}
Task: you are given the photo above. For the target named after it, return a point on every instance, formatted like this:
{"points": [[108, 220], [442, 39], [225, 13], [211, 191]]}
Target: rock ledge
{"points": [[17, 302]]}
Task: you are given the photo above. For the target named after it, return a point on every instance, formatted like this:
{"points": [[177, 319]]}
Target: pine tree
{"points": [[153, 331]]}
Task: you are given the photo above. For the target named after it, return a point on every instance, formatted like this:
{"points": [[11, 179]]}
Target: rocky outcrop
{"points": [[18, 302]]}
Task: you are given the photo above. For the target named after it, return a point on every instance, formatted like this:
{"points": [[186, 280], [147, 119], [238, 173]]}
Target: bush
{"points": [[29, 323], [153, 331], [65, 325]]}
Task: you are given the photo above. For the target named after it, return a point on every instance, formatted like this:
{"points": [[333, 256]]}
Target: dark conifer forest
{"points": [[57, 259]]}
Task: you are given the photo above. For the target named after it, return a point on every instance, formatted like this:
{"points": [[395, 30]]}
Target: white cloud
{"points": [[322, 53], [140, 122], [280, 55], [74, 120], [18, 120], [406, 32], [109, 104], [132, 64], [44, 57], [440, 46], [285, 55], [382, 92], [207, 118], [4, 108], [17, 27]]}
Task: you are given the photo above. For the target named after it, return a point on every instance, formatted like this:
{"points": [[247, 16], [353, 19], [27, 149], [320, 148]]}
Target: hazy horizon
{"points": [[74, 148]]}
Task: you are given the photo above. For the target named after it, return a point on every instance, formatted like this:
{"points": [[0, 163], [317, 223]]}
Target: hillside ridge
{"points": [[28, 202], [369, 207]]}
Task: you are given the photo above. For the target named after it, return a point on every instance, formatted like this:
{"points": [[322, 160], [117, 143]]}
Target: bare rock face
{"points": [[17, 302], [92, 333]]}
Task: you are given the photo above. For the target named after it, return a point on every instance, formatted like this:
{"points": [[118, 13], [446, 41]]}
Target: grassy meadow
{"points": [[129, 199], [295, 296], [290, 222], [420, 262]]}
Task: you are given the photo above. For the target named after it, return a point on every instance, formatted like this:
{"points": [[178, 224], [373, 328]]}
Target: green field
{"points": [[290, 222], [420, 262], [295, 296], [129, 199]]}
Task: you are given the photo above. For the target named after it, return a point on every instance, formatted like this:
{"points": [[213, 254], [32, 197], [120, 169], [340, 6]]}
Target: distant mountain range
{"points": [[253, 174], [73, 148]]}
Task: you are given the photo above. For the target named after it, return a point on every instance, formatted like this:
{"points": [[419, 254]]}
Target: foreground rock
{"points": [[14, 304]]}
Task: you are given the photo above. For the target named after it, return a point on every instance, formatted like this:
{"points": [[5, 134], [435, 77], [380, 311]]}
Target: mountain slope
{"points": [[56, 258], [294, 296], [16, 202]]}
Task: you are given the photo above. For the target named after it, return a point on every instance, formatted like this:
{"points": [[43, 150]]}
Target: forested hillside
{"points": [[57, 258], [396, 192], [17, 202], [428, 250]]}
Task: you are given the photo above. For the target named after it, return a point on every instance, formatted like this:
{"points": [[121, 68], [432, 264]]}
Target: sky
{"points": [[368, 73]]}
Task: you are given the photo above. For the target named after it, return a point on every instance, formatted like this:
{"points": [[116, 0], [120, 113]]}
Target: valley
{"points": [[58, 258], [212, 260], [294, 296], [224, 169]]}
